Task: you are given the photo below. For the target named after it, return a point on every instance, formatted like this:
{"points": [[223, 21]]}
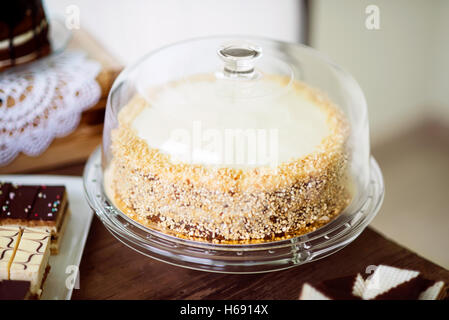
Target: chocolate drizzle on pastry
{"points": [[31, 258], [38, 251], [24, 256], [8, 246], [9, 238]]}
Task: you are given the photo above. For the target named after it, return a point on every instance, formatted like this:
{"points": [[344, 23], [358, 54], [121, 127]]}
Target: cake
{"points": [[30, 262], [386, 283], [163, 178], [33, 219], [24, 255], [23, 32], [9, 240], [43, 208]]}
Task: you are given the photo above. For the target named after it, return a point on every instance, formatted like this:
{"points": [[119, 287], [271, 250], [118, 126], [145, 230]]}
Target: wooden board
{"points": [[78, 145], [111, 270]]}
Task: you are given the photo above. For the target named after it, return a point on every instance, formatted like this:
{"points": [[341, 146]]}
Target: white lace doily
{"points": [[44, 100]]}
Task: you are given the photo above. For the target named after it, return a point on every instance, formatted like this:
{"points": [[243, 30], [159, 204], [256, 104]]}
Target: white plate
{"points": [[74, 238]]}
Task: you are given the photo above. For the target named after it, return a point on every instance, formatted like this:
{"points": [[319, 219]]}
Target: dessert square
{"points": [[50, 213], [31, 259], [17, 204], [9, 239], [48, 205], [44, 208]]}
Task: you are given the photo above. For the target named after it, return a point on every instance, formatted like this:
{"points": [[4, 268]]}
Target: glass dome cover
{"points": [[235, 144]]}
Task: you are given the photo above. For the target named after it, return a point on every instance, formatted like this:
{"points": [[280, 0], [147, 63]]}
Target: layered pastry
{"points": [[386, 283], [196, 159], [9, 240], [24, 255], [23, 32], [30, 262], [42, 207]]}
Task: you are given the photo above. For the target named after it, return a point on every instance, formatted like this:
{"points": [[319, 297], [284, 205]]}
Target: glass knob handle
{"points": [[239, 59]]}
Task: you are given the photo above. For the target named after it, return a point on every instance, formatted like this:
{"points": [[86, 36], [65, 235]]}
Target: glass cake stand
{"points": [[231, 258]]}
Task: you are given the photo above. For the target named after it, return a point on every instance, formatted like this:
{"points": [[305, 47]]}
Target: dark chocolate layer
{"points": [[409, 290], [4, 192], [19, 16], [22, 204], [29, 47], [342, 289], [48, 203], [19, 202], [14, 290], [339, 288]]}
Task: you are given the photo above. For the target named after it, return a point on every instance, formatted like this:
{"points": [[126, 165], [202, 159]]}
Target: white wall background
{"points": [[439, 84], [130, 28], [403, 67]]}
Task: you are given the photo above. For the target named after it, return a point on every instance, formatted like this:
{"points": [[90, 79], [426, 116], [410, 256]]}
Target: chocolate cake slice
{"points": [[50, 213], [30, 260], [23, 32]]}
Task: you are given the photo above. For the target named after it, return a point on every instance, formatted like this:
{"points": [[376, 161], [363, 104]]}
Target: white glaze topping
{"points": [[197, 122]]}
